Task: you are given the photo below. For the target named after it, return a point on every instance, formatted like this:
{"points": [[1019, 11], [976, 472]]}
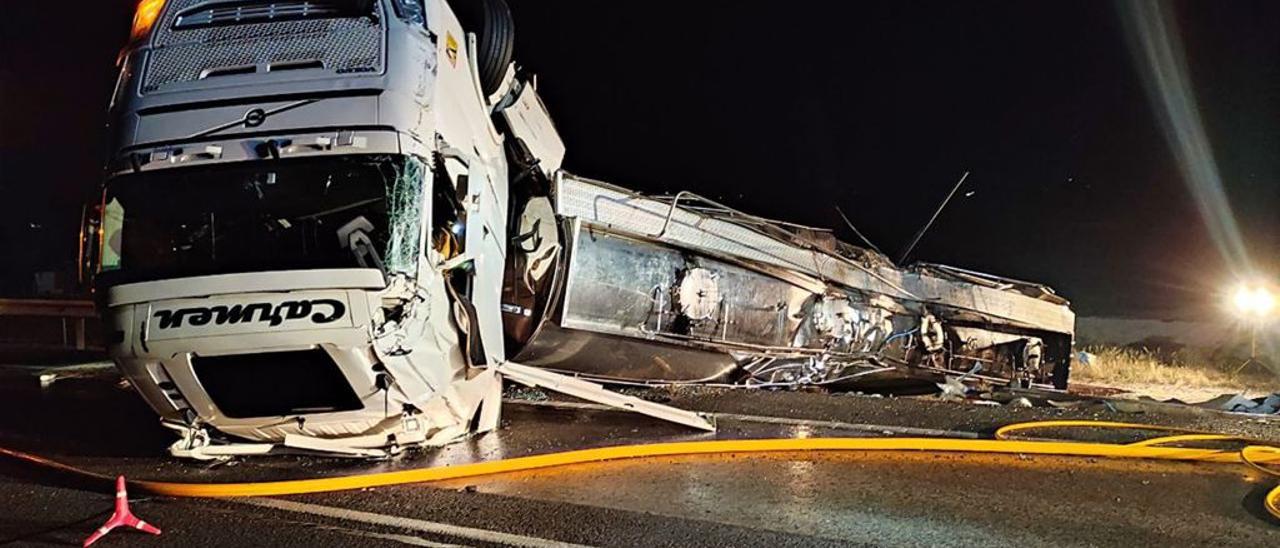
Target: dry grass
{"points": [[1125, 367]]}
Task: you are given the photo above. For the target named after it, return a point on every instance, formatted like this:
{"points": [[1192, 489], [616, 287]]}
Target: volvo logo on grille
{"points": [[318, 311], [255, 117]]}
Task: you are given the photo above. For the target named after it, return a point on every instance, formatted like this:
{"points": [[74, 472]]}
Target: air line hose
{"points": [[1262, 456]]}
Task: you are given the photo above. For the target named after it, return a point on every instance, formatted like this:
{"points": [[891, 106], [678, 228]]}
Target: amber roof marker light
{"points": [[144, 18]]}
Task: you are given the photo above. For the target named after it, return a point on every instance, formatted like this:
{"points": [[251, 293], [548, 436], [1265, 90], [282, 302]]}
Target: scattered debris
{"points": [[1269, 405], [525, 393], [1120, 406], [1069, 404], [953, 389], [1084, 358]]}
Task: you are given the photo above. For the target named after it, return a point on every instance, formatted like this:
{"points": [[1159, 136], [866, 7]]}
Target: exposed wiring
{"points": [[899, 336], [856, 232]]}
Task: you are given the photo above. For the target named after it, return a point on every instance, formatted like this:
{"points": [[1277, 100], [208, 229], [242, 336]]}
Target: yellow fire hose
{"points": [[1260, 455]]}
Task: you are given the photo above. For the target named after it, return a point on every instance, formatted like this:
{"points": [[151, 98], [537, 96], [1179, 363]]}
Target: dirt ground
{"points": [[1188, 394]]}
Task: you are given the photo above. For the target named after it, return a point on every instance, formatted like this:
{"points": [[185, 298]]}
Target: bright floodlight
{"points": [[1254, 300]]}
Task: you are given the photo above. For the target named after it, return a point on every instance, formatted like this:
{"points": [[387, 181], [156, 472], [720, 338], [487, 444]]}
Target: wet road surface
{"points": [[780, 500], [882, 499]]}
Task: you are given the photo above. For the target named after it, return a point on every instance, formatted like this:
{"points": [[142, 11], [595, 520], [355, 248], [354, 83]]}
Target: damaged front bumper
{"points": [[304, 360]]}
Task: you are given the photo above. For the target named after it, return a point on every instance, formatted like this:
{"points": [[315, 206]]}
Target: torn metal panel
{"points": [[531, 125], [538, 378]]}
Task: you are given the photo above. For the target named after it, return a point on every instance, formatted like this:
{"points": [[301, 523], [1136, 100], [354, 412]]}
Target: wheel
{"points": [[491, 22]]}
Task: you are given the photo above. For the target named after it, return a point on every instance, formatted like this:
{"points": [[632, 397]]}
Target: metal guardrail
{"points": [[47, 308], [74, 314]]}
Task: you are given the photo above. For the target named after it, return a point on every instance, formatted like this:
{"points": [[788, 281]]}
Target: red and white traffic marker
{"points": [[123, 517]]}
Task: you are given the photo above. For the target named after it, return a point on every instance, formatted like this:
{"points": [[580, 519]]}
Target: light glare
{"points": [[1254, 300]]}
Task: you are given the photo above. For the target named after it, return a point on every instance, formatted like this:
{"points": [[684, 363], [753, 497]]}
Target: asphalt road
{"points": [[788, 500], [814, 499]]}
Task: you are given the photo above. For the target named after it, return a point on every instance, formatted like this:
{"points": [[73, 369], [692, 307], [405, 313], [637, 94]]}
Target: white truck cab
{"points": [[305, 200]]}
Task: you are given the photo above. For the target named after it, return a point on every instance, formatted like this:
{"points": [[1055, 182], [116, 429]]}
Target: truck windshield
{"points": [[261, 216]]}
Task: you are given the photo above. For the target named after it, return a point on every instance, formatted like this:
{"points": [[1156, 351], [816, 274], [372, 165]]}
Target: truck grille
{"points": [[198, 39], [252, 12]]}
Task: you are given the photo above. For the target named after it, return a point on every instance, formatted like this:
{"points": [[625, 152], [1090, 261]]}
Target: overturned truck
{"points": [[337, 226]]}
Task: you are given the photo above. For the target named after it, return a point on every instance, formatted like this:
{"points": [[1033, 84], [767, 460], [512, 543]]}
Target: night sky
{"points": [[790, 109]]}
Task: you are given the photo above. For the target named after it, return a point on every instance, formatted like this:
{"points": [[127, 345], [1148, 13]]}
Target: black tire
{"points": [[495, 30]]}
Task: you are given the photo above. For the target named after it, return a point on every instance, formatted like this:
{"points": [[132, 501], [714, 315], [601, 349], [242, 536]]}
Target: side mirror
{"points": [[90, 253]]}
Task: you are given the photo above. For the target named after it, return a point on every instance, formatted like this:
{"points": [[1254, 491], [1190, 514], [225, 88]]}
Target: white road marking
{"points": [[402, 539], [347, 529], [470, 533]]}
